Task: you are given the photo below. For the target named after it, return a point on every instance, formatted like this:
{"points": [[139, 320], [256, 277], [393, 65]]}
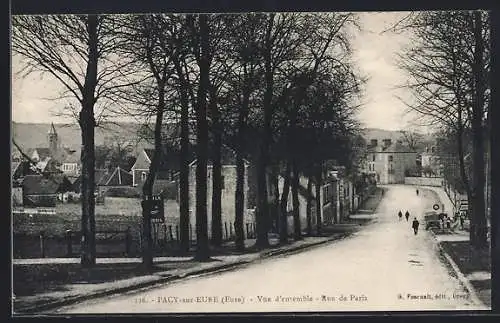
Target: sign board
{"points": [[435, 207], [156, 209]]}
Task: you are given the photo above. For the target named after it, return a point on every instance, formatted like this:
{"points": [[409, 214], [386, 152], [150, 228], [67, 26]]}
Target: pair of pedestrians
{"points": [[415, 224], [400, 215]]}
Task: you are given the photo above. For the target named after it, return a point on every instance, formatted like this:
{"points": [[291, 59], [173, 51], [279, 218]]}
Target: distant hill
{"points": [[380, 134], [31, 135]]}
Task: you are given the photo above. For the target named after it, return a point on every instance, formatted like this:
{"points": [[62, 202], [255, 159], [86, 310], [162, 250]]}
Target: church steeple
{"points": [[52, 136]]}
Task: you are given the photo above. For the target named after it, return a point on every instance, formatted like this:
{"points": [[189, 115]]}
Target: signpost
{"points": [[153, 212]]}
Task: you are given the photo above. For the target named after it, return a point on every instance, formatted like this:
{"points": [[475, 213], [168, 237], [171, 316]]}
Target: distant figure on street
{"points": [[417, 191], [415, 225], [407, 215], [448, 223], [400, 215], [462, 220]]}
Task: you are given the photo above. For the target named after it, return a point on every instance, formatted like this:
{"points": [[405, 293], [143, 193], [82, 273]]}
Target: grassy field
{"points": [[115, 206], [116, 214], [113, 219], [470, 261]]}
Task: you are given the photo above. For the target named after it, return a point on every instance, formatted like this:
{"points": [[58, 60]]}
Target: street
{"points": [[382, 267]]}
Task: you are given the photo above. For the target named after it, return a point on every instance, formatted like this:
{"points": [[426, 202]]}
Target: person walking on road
{"points": [[415, 225], [417, 191], [407, 215], [400, 215]]}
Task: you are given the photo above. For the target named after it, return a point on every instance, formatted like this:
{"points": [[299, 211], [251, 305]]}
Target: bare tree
{"points": [[78, 52], [200, 33], [449, 66], [150, 44], [411, 138]]}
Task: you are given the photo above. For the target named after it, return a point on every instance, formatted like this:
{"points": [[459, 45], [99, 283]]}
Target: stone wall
{"points": [[424, 181]]}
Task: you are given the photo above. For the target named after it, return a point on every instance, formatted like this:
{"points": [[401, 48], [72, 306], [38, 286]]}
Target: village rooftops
{"points": [[42, 152], [45, 184], [119, 177], [391, 147]]}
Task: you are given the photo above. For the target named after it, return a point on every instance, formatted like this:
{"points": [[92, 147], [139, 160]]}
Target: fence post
{"points": [[140, 240], [69, 242], [128, 241], [225, 229], [42, 244], [170, 232]]}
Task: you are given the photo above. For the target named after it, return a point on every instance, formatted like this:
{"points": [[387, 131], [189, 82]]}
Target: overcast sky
{"points": [[374, 54]]}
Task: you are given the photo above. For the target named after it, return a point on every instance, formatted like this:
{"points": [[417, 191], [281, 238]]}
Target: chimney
{"points": [[387, 142], [373, 142]]}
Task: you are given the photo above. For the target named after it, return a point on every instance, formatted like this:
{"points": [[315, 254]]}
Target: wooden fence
{"points": [[112, 243]]}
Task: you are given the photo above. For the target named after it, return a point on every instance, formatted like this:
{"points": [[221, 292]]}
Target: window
{"points": [[143, 176], [390, 158]]}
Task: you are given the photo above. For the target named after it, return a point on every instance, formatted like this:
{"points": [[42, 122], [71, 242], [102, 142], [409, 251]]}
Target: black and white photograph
{"points": [[251, 162]]}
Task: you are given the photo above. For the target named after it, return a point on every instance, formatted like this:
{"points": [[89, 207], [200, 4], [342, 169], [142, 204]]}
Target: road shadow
{"points": [[41, 278]]}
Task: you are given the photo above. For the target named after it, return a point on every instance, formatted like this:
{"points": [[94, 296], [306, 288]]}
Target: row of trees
{"points": [[276, 88], [449, 69]]}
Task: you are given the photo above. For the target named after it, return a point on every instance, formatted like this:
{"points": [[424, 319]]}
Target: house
{"points": [[17, 196], [70, 162], [327, 200], [430, 162], [228, 199], [99, 174], [43, 190], [345, 198], [169, 165], [117, 178], [389, 161]]}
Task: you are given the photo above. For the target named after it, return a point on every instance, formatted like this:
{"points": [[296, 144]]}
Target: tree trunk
{"points": [[240, 175], [262, 215], [276, 204], [478, 226], [461, 157], [309, 206], [184, 162], [87, 125], [216, 173], [202, 250], [284, 203], [184, 178], [262, 211], [239, 202], [319, 183], [296, 203], [147, 189]]}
